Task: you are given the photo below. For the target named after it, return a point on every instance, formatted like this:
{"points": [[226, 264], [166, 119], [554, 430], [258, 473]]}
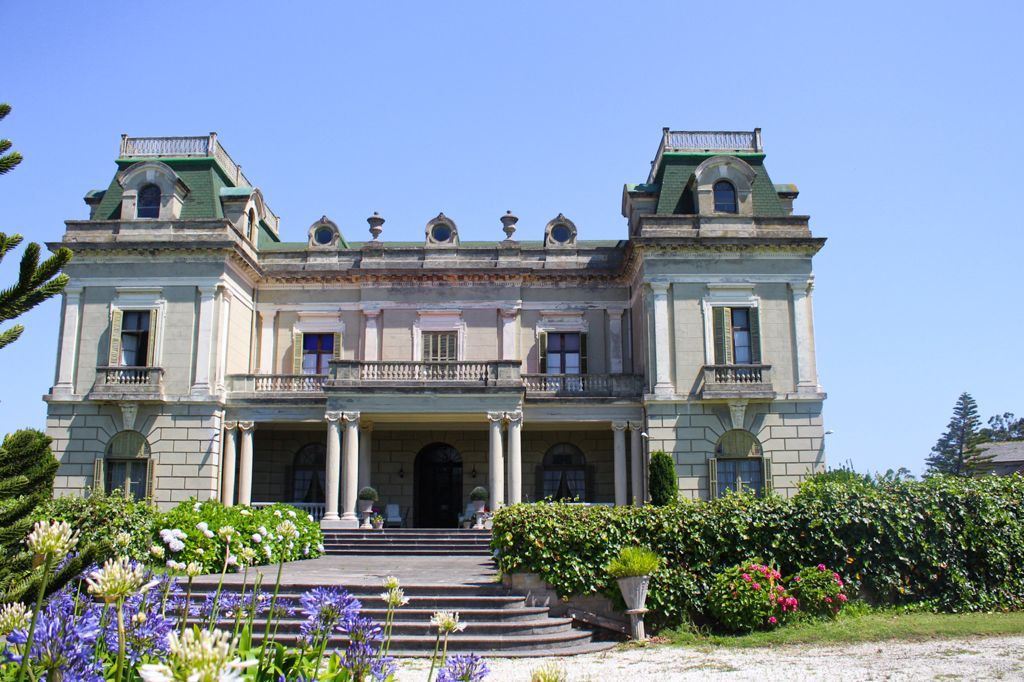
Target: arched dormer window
{"points": [[250, 227], [148, 205], [725, 197]]}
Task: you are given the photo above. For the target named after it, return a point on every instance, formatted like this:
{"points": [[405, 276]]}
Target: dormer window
{"points": [[441, 231], [149, 202], [250, 228], [725, 197]]}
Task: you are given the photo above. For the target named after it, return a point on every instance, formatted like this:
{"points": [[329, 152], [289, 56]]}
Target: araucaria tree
{"points": [[957, 452], [36, 281]]}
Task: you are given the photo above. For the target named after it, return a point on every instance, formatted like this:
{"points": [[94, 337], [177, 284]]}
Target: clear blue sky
{"points": [[900, 122]]}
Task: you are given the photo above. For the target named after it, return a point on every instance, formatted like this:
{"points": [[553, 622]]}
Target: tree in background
{"points": [[1003, 427], [36, 281], [957, 452], [664, 486], [27, 468]]}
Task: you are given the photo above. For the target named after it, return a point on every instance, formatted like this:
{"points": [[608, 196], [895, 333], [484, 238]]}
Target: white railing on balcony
{"points": [[194, 146], [610, 385], [129, 376], [290, 383], [737, 374], [713, 140], [314, 509], [424, 371]]}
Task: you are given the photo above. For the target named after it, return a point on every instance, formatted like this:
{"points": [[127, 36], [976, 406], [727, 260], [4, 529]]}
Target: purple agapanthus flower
{"points": [[464, 668], [361, 656], [145, 629], [326, 609], [64, 641]]}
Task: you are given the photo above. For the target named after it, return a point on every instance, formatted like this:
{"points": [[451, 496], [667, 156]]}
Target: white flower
{"points": [[13, 616], [311, 519], [247, 555], [51, 538], [447, 622], [395, 597], [175, 565], [157, 551], [277, 513], [257, 538], [193, 569], [208, 533], [269, 551], [391, 583], [198, 656], [176, 545], [231, 560], [196, 507], [122, 539], [203, 526], [226, 532], [305, 550], [320, 548], [200, 551], [262, 530], [291, 514], [245, 512], [117, 579], [288, 530]]}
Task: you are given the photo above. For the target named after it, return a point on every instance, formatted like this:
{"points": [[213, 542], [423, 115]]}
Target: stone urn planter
{"points": [[634, 591], [477, 506], [632, 569], [365, 500], [365, 506]]}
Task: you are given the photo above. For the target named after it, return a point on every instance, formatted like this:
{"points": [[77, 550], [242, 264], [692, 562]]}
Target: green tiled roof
{"points": [[677, 171], [202, 176]]}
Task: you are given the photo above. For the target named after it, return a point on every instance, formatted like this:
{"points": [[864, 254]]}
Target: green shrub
{"points": [[115, 519], [954, 542], [478, 494], [255, 528], [749, 597], [819, 591], [368, 494], [632, 562], [663, 483]]}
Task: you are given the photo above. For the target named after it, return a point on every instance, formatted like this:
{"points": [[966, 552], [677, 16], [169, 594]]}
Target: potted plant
{"points": [[632, 568], [378, 521], [478, 499], [367, 496]]}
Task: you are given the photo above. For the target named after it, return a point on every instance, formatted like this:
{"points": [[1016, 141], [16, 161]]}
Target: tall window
{"points": [[564, 353], [725, 197], [741, 348], [564, 473], [250, 227], [739, 475], [317, 351], [309, 477], [440, 346], [135, 338], [739, 465], [127, 464], [148, 205], [737, 336]]}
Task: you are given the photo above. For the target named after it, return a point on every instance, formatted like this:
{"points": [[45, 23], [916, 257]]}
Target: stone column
{"points": [[496, 461], [204, 344], [230, 448], [365, 432], [807, 379], [636, 463], [333, 476], [508, 335], [619, 432], [371, 339], [350, 470], [663, 386], [223, 327], [515, 457], [245, 464], [267, 319], [68, 344], [615, 341]]}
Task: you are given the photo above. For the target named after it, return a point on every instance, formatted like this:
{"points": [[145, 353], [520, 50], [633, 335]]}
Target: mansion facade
{"points": [[201, 355]]}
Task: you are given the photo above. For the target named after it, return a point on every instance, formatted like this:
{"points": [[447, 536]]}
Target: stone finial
{"points": [[508, 223], [375, 225]]}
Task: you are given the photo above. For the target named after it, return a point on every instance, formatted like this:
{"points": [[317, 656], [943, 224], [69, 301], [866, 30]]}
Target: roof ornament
{"points": [[508, 224], [375, 225]]}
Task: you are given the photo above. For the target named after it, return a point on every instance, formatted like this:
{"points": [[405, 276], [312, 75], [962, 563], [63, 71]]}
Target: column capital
{"points": [[620, 426], [514, 418], [247, 426], [509, 313], [372, 312], [495, 417], [350, 418], [615, 312], [73, 293], [366, 426], [635, 426], [332, 416], [801, 287], [230, 425], [208, 291], [658, 288]]}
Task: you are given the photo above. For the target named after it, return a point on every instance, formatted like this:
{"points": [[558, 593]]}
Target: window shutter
{"points": [[722, 322], [713, 477], [583, 353], [337, 345], [755, 336], [542, 352], [114, 357], [150, 490], [154, 318], [766, 462], [297, 352], [98, 481]]}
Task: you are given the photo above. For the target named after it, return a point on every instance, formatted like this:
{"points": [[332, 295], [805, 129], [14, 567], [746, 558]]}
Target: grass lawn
{"points": [[865, 628]]}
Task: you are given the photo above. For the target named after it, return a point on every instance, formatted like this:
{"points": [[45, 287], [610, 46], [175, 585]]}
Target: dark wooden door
{"points": [[437, 487]]}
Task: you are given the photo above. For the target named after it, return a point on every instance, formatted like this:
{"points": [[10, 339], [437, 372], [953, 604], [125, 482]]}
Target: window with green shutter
{"points": [[737, 335], [133, 335]]}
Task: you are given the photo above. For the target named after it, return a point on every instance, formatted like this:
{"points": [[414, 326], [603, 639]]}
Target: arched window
{"points": [[739, 465], [309, 473], [148, 205], [250, 228], [725, 197], [126, 465], [563, 475]]}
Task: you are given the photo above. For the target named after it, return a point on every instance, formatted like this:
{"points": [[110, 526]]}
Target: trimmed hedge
{"points": [[954, 543]]}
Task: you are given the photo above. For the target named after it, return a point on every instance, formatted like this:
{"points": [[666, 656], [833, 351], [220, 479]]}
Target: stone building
{"points": [[202, 355]]}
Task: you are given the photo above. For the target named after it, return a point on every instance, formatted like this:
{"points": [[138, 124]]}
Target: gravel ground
{"points": [[995, 658]]}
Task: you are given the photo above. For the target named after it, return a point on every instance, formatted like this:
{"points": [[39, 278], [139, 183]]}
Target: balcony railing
{"points": [[196, 146], [583, 385], [314, 509], [737, 381], [276, 383], [128, 382], [411, 373]]}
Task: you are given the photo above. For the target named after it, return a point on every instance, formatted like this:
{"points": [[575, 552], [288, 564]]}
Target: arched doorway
{"points": [[437, 487]]}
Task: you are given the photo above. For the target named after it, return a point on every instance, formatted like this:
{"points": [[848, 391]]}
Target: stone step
{"points": [[419, 551], [423, 628]]}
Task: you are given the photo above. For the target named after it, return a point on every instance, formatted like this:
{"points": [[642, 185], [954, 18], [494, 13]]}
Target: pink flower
{"points": [[842, 597], [757, 586], [746, 577], [780, 588], [796, 579], [773, 620], [828, 600], [821, 567]]}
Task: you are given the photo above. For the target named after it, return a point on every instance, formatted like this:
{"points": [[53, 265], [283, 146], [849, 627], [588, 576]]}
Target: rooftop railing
{"points": [[195, 146], [700, 141]]}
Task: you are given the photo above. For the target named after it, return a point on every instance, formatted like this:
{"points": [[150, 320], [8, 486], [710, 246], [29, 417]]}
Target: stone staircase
{"points": [[408, 542]]}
